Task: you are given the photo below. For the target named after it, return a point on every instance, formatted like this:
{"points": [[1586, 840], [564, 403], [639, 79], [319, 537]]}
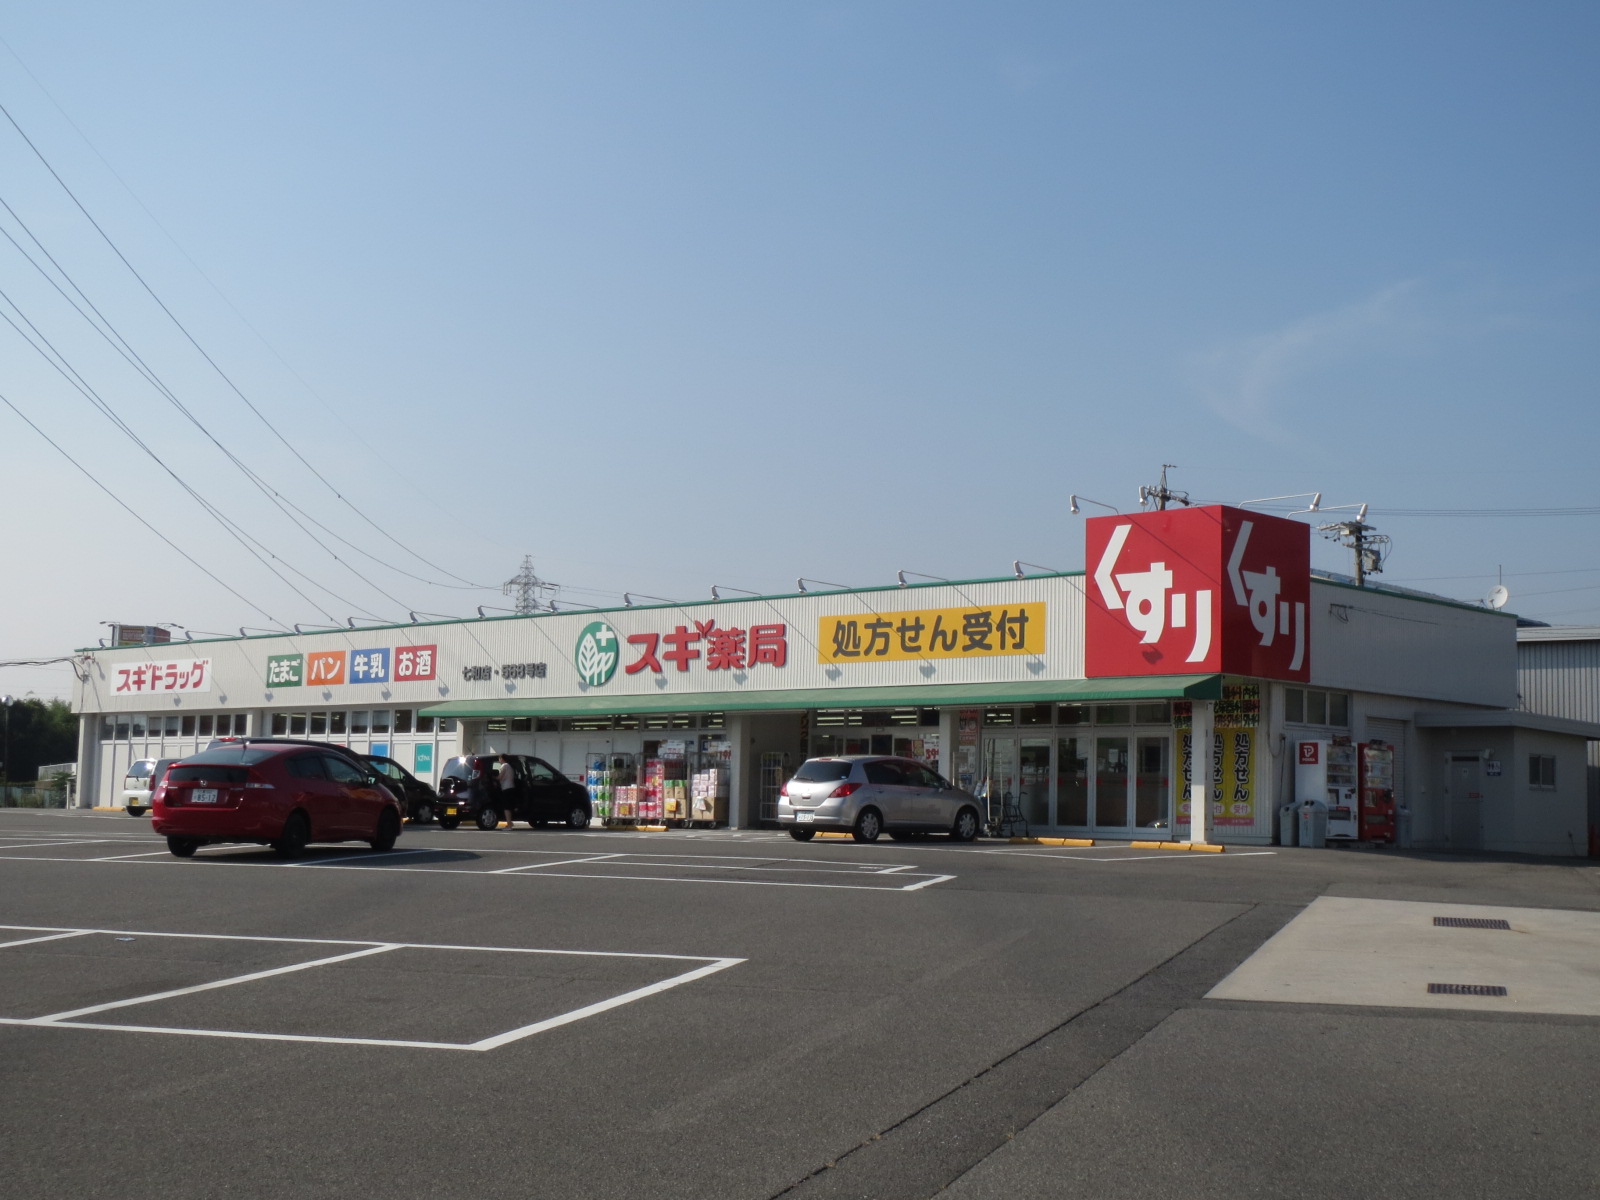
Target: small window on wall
{"points": [[1113, 714], [1036, 714], [359, 720], [402, 720], [207, 724], [628, 721], [137, 721], [997, 717], [1311, 706], [188, 727], [337, 722], [319, 724], [224, 724], [1072, 714], [241, 724], [424, 723], [518, 725], [173, 721], [108, 729], [496, 725], [1159, 713], [280, 724], [122, 731], [447, 724], [708, 721], [297, 724], [380, 720], [542, 725], [1542, 770]]}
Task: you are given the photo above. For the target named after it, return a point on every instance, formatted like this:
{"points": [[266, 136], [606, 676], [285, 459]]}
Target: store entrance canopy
{"points": [[943, 695]]}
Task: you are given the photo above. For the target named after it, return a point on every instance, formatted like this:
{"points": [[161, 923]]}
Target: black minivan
{"points": [[469, 790]]}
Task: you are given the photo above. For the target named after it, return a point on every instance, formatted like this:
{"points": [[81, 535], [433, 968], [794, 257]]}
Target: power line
{"points": [[223, 375], [87, 474]]}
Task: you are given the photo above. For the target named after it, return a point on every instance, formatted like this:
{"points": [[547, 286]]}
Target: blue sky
{"points": [[669, 295]]}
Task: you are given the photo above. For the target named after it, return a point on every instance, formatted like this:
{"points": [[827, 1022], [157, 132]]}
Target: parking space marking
{"points": [[57, 1018], [51, 845], [121, 857], [1088, 854], [68, 1020], [351, 857], [560, 862], [49, 937]]}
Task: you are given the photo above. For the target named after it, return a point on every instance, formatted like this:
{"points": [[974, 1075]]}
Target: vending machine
{"points": [[1377, 792], [1325, 771]]}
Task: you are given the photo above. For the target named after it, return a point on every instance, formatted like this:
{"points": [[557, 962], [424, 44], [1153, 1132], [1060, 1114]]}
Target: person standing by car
{"points": [[506, 776]]}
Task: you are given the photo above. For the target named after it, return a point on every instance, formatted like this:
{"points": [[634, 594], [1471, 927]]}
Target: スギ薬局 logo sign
{"points": [[1198, 591]]}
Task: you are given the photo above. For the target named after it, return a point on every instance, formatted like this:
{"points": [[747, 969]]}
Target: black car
{"points": [[469, 789], [421, 802]]}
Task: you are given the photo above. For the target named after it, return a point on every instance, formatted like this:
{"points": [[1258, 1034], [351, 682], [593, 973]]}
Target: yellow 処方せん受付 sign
{"points": [[971, 632]]}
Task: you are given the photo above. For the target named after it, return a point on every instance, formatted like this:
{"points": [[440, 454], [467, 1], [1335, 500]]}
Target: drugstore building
{"points": [[1075, 697]]}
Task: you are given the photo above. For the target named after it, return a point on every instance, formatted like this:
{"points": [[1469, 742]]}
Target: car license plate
{"points": [[805, 818], [203, 796], [449, 812]]}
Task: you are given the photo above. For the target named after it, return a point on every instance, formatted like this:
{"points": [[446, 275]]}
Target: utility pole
{"points": [[1370, 546], [1161, 495], [526, 587]]}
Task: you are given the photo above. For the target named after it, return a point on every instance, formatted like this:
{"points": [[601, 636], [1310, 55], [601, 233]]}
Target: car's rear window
{"points": [[461, 768], [140, 770], [207, 773], [241, 754], [822, 770]]}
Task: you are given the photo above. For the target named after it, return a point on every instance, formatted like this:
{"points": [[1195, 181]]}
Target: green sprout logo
{"points": [[596, 655]]}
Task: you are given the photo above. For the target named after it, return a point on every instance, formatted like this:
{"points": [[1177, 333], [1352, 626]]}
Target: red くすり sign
{"points": [[1198, 591]]}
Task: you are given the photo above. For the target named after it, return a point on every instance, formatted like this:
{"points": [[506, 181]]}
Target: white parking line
{"points": [[917, 887], [52, 937], [121, 857], [560, 862], [55, 1018], [1164, 856], [318, 862], [41, 845]]}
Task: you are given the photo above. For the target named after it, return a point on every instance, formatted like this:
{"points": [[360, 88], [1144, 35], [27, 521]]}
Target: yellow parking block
{"points": [[1201, 847], [1052, 841]]}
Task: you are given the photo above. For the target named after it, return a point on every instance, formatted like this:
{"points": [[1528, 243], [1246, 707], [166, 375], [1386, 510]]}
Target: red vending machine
{"points": [[1377, 792]]}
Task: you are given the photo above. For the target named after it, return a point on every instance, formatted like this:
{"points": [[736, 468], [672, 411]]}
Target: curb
{"points": [[635, 828]]}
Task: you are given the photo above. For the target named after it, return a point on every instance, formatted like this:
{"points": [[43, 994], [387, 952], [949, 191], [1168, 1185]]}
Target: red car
{"points": [[281, 795]]}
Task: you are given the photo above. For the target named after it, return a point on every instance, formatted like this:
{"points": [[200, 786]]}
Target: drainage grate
{"points": [[1471, 923], [1465, 989]]}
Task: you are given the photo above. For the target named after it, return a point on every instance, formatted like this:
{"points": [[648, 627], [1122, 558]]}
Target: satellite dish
{"points": [[1498, 596]]}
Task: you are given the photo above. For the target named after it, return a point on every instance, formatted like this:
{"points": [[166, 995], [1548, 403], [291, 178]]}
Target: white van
{"points": [[142, 778]]}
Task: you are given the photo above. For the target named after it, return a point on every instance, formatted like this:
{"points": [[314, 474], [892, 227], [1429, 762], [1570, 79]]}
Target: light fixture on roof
{"points": [[801, 584], [1074, 500], [716, 589], [1017, 566], [901, 577], [1314, 506]]}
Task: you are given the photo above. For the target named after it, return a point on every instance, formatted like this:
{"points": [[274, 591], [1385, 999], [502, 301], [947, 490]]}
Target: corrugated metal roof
{"points": [[1155, 687]]}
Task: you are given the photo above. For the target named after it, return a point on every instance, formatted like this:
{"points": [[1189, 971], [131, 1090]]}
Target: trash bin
{"points": [[1402, 827], [1314, 824], [1288, 825]]}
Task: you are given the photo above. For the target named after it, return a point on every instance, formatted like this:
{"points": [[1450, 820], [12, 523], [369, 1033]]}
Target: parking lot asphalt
{"points": [[734, 1014]]}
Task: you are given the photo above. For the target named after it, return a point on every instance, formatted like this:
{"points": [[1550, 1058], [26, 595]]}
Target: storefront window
{"points": [[1159, 713], [402, 720], [1072, 714], [108, 729], [336, 723], [824, 745], [319, 724], [280, 724], [297, 724], [123, 730], [494, 725], [1112, 714], [1309, 706], [1002, 718], [359, 720], [1338, 709], [205, 724], [1036, 714], [136, 721], [518, 724], [1072, 781], [188, 727]]}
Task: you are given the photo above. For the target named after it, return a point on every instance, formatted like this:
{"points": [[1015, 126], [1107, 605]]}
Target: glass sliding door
{"points": [[1111, 782], [1033, 780], [1072, 781], [1152, 789]]}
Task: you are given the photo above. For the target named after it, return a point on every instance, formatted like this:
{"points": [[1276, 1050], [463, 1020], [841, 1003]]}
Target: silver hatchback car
{"points": [[869, 794]]}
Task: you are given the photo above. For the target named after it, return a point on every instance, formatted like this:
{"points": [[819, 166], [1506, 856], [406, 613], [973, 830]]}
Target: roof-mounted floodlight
{"points": [[801, 584], [717, 589], [901, 576], [1017, 566], [1075, 500], [1314, 506]]}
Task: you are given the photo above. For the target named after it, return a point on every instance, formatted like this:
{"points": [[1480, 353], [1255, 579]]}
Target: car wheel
{"points": [[388, 831], [424, 815], [802, 835], [965, 827], [135, 811], [182, 847], [868, 826], [449, 823], [296, 835], [487, 819], [578, 817]]}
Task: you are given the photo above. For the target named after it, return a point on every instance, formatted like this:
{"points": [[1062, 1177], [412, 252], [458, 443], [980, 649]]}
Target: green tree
{"points": [[41, 731]]}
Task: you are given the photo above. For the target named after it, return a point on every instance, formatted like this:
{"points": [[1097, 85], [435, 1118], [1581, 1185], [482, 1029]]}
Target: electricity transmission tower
{"points": [[527, 587]]}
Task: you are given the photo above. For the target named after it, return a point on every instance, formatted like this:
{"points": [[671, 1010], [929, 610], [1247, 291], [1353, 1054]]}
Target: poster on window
{"points": [[1233, 777]]}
